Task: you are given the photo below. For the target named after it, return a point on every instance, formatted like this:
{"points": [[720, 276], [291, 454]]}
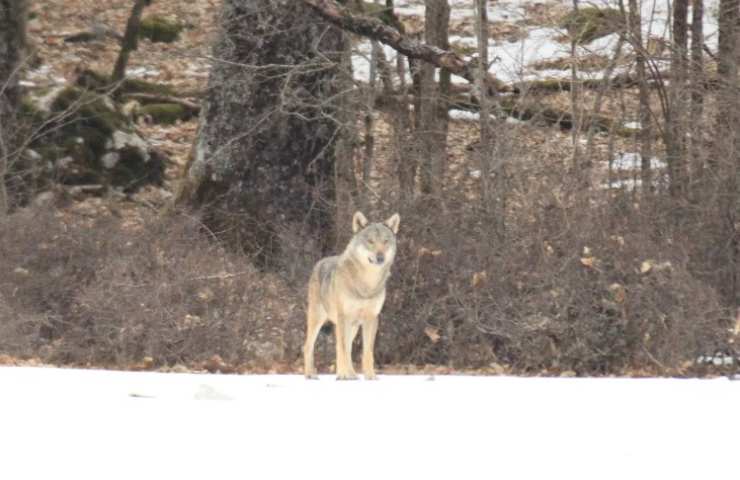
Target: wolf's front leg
{"points": [[345, 370], [369, 330]]}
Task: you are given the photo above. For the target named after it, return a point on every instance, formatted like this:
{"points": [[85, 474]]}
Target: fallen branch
{"points": [[375, 29], [191, 107], [516, 108], [624, 80]]}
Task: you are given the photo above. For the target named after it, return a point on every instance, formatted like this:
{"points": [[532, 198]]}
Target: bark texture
{"points": [[646, 149], [130, 40], [726, 165], [675, 132], [433, 120], [12, 49], [697, 89], [263, 164]]}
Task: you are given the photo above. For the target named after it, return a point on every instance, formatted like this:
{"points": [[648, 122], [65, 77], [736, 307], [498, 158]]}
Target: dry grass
{"points": [[99, 292]]}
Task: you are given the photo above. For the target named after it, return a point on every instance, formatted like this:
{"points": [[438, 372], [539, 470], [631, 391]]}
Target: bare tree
{"points": [[130, 40], [12, 49], [369, 119], [575, 99], [345, 179], [644, 116], [485, 148], [675, 131], [726, 166], [697, 87], [432, 116]]}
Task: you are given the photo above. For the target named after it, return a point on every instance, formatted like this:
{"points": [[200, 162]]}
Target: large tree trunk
{"points": [[697, 89], [12, 46], [578, 168], [646, 147], [262, 171], [726, 163], [675, 131], [485, 149], [432, 115], [345, 179]]}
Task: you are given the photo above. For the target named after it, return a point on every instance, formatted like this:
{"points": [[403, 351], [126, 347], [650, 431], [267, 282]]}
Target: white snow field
{"points": [[93, 424]]}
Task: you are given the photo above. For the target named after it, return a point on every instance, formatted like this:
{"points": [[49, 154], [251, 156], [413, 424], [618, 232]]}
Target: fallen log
{"points": [[146, 98]]}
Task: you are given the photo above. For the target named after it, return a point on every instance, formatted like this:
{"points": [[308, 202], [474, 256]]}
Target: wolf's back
{"points": [[324, 273]]}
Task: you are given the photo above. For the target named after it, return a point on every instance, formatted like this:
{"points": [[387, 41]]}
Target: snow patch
{"points": [[633, 161], [464, 115]]}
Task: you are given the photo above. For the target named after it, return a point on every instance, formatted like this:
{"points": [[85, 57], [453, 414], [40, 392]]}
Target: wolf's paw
{"points": [[347, 376], [371, 376], [311, 376]]}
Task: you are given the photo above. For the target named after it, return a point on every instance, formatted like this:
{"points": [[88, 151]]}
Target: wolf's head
{"points": [[375, 243]]}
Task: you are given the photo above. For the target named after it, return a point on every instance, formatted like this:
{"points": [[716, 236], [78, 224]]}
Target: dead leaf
{"points": [[423, 251], [646, 266], [433, 334], [7, 360], [217, 364], [479, 278], [497, 369], [205, 294], [146, 363], [587, 261], [618, 292], [548, 249], [190, 321]]}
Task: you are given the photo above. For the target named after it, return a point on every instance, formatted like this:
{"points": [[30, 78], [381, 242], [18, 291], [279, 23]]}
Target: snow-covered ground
{"points": [[59, 423]]}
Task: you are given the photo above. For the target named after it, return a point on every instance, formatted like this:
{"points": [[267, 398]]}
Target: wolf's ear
{"points": [[393, 222], [358, 222]]}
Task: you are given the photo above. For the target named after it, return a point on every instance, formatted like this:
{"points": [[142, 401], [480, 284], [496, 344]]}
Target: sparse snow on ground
{"points": [[633, 161], [513, 59], [59, 423]]}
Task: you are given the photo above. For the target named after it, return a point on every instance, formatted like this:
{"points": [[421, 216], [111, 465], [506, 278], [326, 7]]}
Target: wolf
{"points": [[348, 290]]}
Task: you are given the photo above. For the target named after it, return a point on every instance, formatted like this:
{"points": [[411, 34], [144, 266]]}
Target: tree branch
{"points": [[375, 29]]}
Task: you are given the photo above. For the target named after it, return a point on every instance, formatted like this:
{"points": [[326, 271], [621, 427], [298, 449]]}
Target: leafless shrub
{"points": [[103, 293], [564, 291]]}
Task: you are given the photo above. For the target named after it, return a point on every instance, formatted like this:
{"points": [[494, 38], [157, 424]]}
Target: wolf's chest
{"points": [[362, 307]]}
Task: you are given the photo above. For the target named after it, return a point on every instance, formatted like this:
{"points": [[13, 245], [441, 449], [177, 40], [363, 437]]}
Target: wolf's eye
{"points": [[370, 242]]}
